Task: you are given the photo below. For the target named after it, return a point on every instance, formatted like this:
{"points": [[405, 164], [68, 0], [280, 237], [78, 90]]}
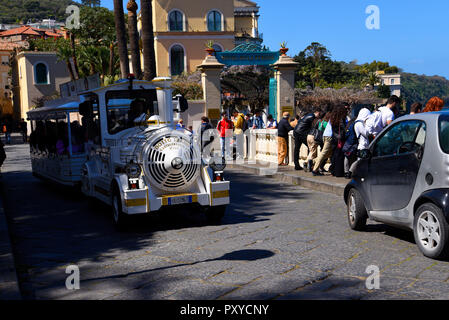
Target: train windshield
{"points": [[129, 108]]}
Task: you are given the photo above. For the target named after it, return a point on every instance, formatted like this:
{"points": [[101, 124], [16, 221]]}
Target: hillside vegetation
{"points": [[20, 11], [420, 88]]}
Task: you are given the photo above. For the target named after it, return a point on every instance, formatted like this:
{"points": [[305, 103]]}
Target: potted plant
{"points": [[284, 48], [210, 47]]}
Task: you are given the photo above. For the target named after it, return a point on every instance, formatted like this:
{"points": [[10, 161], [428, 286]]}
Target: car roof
{"points": [[429, 116]]}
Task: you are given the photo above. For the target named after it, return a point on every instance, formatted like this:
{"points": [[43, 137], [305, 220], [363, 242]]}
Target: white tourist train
{"points": [[119, 143]]}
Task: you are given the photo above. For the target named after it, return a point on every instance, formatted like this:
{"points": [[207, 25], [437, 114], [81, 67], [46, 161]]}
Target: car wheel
{"points": [[118, 216], [215, 214], [431, 231], [357, 215]]}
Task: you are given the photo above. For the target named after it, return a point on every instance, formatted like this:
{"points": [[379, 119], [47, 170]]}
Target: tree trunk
{"points": [[148, 40], [120, 30], [75, 72], [111, 59], [134, 38]]}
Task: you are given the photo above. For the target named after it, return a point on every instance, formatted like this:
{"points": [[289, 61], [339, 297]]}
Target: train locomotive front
{"points": [[152, 166]]}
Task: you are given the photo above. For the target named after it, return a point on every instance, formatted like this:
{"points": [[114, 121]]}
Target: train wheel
{"points": [[119, 217]]}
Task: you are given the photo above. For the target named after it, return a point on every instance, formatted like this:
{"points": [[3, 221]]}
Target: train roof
{"points": [[59, 107]]}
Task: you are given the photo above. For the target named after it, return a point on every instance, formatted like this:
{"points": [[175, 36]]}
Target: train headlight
{"points": [[217, 164], [133, 170]]}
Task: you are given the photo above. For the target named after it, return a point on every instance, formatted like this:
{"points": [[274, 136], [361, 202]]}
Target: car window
{"points": [[391, 142], [444, 133]]}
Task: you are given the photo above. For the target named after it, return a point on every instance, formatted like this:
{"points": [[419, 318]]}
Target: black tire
{"points": [[427, 245], [356, 210], [215, 214], [119, 218]]}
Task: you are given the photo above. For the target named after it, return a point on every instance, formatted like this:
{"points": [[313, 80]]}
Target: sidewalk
{"points": [[9, 286], [327, 183]]}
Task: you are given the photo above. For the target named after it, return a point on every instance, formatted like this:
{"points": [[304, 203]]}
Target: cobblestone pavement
{"points": [[277, 241]]}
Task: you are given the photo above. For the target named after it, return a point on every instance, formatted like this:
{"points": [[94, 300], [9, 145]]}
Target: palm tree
{"points": [[134, 38], [121, 37], [149, 59]]}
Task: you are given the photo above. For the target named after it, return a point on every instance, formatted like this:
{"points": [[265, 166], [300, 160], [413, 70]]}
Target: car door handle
{"points": [[403, 171]]}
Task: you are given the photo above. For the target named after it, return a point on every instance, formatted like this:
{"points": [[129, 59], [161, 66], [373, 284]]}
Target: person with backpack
{"points": [[356, 139], [300, 133], [313, 139]]}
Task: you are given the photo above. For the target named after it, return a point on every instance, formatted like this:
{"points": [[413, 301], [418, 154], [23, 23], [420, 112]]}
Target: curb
{"points": [[286, 177], [9, 286]]}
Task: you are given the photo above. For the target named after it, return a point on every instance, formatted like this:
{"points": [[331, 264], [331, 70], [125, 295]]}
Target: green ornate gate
{"points": [[250, 54]]}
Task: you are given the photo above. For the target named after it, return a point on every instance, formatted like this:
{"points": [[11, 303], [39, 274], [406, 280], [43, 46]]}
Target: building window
{"points": [[176, 21], [214, 21], [41, 73], [176, 60], [392, 81]]}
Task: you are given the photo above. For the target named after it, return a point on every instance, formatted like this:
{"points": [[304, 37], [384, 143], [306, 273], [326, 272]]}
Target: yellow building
{"points": [[181, 29]]}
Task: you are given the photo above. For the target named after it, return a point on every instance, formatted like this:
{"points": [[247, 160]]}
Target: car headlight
{"points": [[133, 170], [217, 164]]}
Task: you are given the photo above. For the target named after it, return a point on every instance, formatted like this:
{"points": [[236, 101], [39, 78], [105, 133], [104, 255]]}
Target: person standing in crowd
{"points": [[300, 133], [284, 128], [225, 128], [257, 121], [24, 130], [416, 108], [331, 140], [248, 122], [434, 104], [271, 122], [2, 154], [7, 131], [205, 126], [338, 120], [312, 144], [356, 139], [383, 117], [239, 124]]}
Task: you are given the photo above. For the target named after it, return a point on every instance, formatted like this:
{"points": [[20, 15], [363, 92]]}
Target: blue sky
{"points": [[413, 34]]}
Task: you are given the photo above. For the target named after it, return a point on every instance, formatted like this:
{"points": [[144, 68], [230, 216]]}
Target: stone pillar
{"points": [[285, 69], [210, 76]]}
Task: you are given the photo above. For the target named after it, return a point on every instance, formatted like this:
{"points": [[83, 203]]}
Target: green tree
{"points": [[97, 26], [383, 91]]}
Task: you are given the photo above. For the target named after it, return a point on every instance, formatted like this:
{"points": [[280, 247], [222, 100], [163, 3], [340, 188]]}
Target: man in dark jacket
{"points": [[300, 133], [284, 128]]}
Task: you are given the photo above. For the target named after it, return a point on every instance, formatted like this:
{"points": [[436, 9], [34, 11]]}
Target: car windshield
{"points": [[126, 109], [444, 133]]}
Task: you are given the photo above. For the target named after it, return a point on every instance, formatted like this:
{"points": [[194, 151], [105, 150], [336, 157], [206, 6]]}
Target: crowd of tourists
{"points": [[342, 136], [341, 133]]}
